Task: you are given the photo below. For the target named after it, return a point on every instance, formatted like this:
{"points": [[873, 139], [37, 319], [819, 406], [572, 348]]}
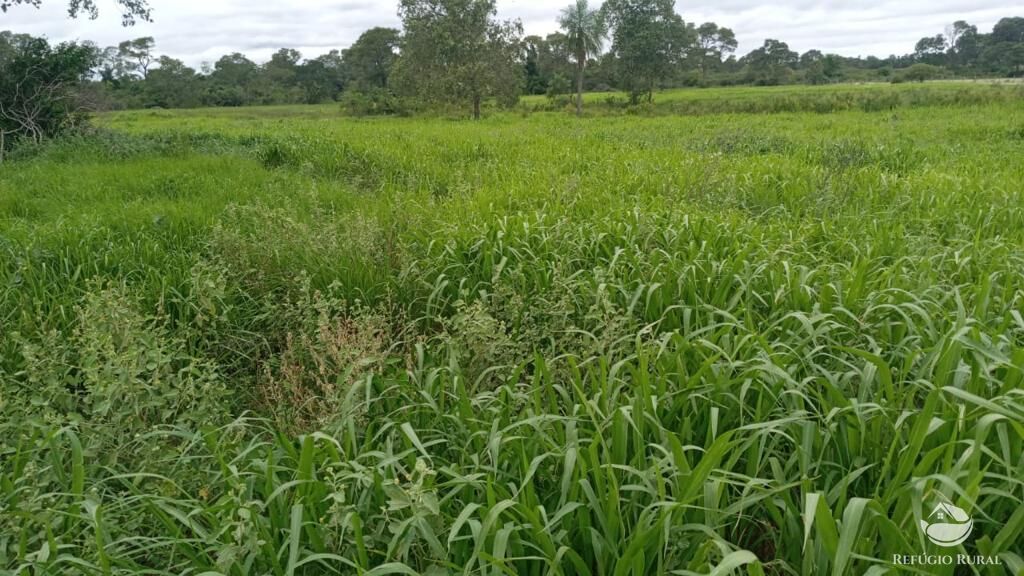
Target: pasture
{"points": [[719, 335]]}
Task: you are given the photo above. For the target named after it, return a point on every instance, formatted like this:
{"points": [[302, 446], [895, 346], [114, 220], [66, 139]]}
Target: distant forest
{"points": [[458, 51]]}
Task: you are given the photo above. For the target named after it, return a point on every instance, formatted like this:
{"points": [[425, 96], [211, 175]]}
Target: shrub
{"points": [[38, 88], [558, 87], [372, 102], [120, 372], [919, 73]]}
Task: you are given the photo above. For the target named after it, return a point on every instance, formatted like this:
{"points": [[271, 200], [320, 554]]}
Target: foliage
{"points": [[584, 31], [371, 58], [457, 51], [372, 102], [964, 48], [931, 49], [131, 10], [648, 41], [919, 73], [558, 87], [173, 85], [771, 64], [543, 59], [323, 78], [138, 55], [38, 88], [713, 44]]}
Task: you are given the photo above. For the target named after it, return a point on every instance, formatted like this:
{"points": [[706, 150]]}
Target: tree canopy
{"points": [[371, 57], [772, 63], [131, 10], [458, 51], [713, 44], [649, 40], [38, 82], [584, 31]]}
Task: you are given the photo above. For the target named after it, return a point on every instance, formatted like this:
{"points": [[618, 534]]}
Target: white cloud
{"points": [[197, 31]]}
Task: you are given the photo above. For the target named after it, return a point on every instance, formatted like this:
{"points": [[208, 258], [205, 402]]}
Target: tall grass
{"points": [[817, 99], [691, 345]]}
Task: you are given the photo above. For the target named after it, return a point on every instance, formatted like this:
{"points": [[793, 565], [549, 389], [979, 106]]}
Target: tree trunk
{"points": [[580, 62], [476, 107]]}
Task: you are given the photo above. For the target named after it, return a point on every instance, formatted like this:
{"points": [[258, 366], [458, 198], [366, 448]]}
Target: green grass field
{"points": [[281, 341], [869, 97]]}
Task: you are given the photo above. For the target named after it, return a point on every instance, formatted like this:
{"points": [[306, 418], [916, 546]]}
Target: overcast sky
{"points": [[203, 30]]}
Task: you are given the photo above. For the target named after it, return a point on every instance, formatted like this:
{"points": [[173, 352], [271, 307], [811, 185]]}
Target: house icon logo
{"points": [[947, 525]]}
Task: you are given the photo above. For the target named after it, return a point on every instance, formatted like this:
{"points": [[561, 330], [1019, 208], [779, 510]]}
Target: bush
{"points": [[918, 73], [119, 371], [374, 102], [559, 86], [39, 88]]}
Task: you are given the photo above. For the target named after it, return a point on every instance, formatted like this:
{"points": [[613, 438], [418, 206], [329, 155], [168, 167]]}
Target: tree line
{"points": [[458, 52]]}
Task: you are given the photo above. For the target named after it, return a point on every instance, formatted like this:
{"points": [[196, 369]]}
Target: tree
{"points": [[1008, 30], [543, 59], [536, 81], [130, 9], [12, 44], [458, 50], [137, 55], [964, 43], [234, 69], [231, 80], [810, 57], [812, 63], [1005, 59], [649, 40], [920, 72], [931, 49], [277, 80], [714, 43], [956, 30], [39, 86], [111, 68], [584, 34], [772, 63], [820, 68], [172, 85], [370, 59], [833, 67], [559, 86], [323, 77], [283, 66]]}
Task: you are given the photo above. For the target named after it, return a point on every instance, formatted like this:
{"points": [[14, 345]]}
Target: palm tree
{"points": [[584, 32]]}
